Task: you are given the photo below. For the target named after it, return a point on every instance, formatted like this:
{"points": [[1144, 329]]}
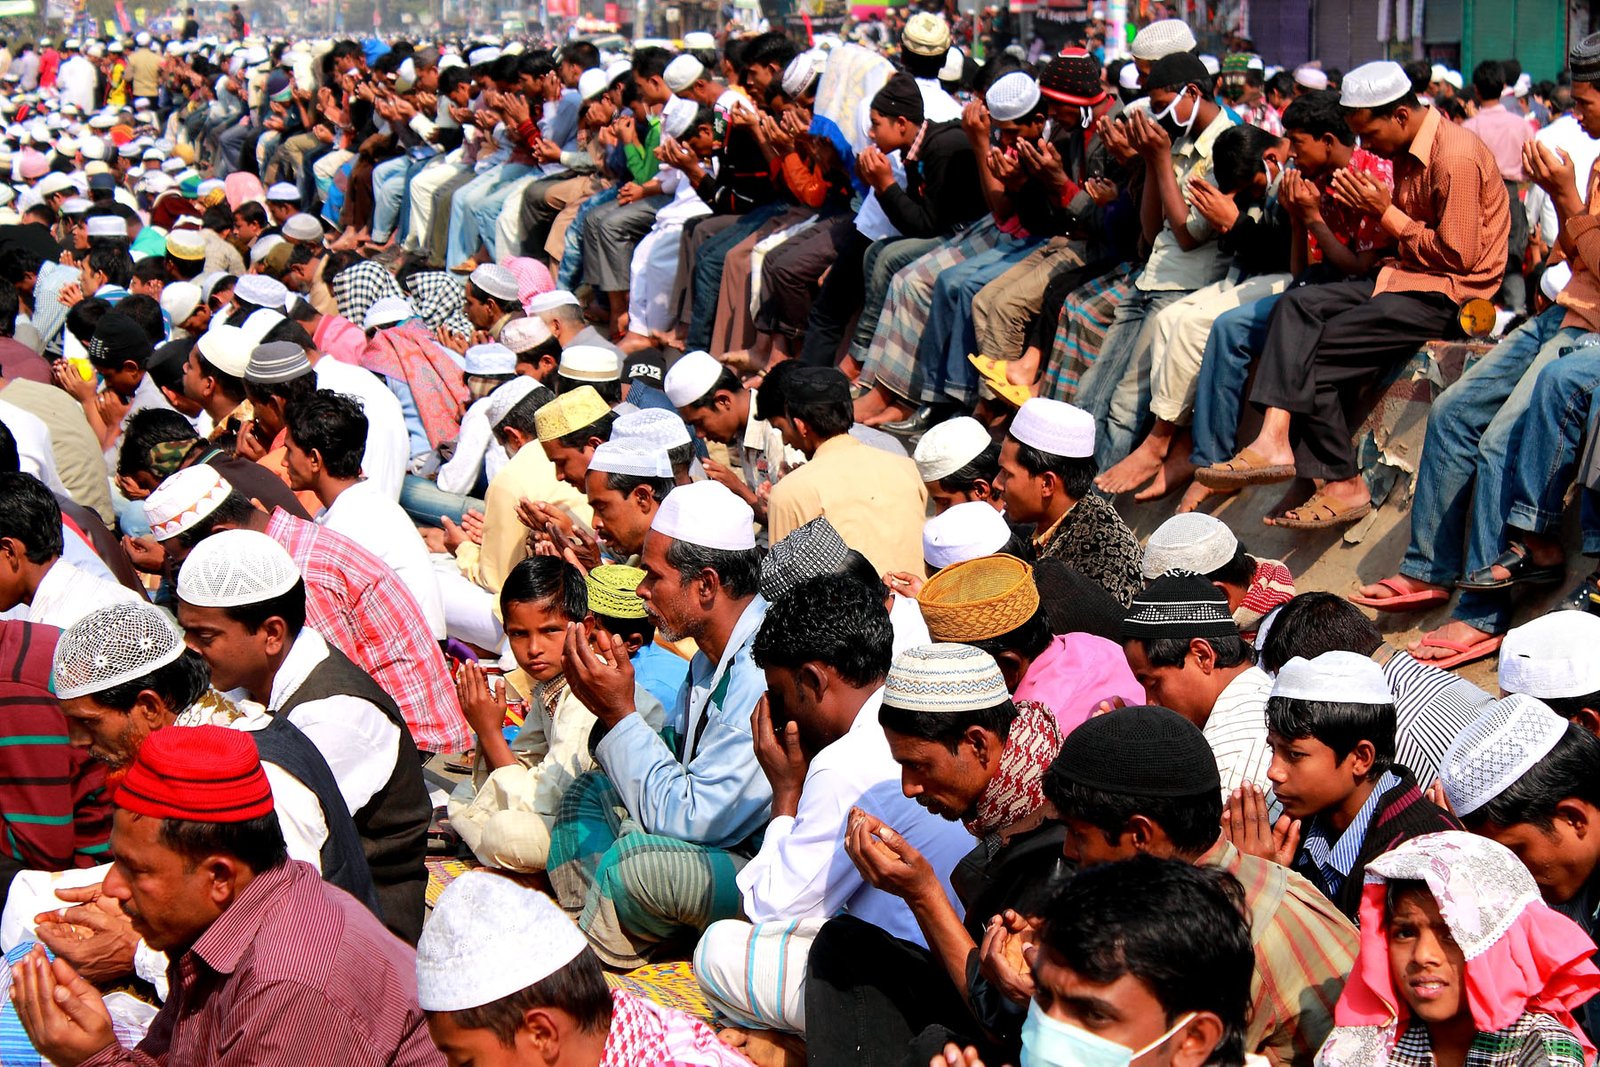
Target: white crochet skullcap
{"points": [[489, 360], [495, 280], [1507, 738], [1012, 96], [965, 531], [225, 347], [524, 334], [262, 291], [387, 311], [591, 83], [683, 72], [802, 70], [653, 426], [949, 446], [1553, 656], [185, 498], [1194, 542], [678, 115], [236, 567], [549, 301], [506, 397], [1311, 78], [1374, 84], [1162, 38], [1056, 427], [1343, 677], [634, 458], [691, 377], [113, 645], [707, 514]]}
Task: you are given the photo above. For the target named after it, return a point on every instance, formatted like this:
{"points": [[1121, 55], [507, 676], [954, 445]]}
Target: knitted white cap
{"points": [[236, 567], [962, 532], [944, 678], [1344, 677], [949, 446], [508, 396], [691, 377], [489, 360], [186, 497], [653, 426], [1374, 84], [495, 280], [549, 301], [225, 347], [707, 514], [523, 334], [1012, 96], [1162, 38], [386, 311], [179, 299], [1056, 427], [113, 645], [1553, 656], [683, 72], [262, 291], [1507, 738], [634, 458], [1194, 542]]}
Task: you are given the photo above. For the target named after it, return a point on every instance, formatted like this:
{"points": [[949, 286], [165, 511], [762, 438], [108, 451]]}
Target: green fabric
{"points": [[642, 161]]}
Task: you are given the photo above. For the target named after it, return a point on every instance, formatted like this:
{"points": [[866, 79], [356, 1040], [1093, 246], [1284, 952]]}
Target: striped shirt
{"points": [[1432, 708], [1237, 731], [1335, 859]]}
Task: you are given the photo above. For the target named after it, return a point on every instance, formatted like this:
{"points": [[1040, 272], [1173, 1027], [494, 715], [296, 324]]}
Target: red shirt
{"points": [[1360, 230]]}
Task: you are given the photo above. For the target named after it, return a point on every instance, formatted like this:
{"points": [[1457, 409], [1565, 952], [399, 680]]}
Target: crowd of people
{"points": [[683, 488]]}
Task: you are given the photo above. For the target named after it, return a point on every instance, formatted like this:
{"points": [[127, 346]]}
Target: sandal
{"points": [[1520, 570], [1319, 513], [993, 373], [1249, 467], [1464, 652], [1403, 600], [1585, 596]]}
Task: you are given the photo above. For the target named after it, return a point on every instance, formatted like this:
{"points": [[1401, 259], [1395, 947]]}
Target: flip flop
{"points": [[1249, 467], [1403, 600], [1464, 653], [1318, 514], [993, 373]]}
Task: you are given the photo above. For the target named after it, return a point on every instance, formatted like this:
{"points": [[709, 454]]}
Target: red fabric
{"points": [[409, 353], [201, 773]]}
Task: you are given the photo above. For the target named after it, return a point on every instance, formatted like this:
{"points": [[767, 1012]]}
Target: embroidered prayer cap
{"points": [[183, 499], [113, 645], [1163, 37], [236, 567], [1193, 542], [979, 599], [489, 360], [524, 334], [569, 412], [802, 70], [1012, 96], [302, 228], [490, 937], [1140, 751], [1583, 57], [387, 311], [117, 339], [636, 459], [900, 98], [506, 397], [1374, 84], [654, 426], [107, 226], [944, 679], [1553, 656], [1497, 748], [1310, 78], [284, 193], [1342, 677], [1056, 427], [207, 773], [809, 550], [591, 83], [260, 290], [926, 34], [495, 280], [614, 591], [949, 446], [1073, 77], [1179, 605], [964, 532], [276, 361], [678, 114], [691, 377], [179, 299], [707, 514], [225, 348], [682, 72]]}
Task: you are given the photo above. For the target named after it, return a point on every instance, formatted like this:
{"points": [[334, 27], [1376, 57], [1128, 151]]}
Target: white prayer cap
{"points": [[1342, 677], [507, 396], [387, 311], [618, 69], [699, 39], [1311, 78], [955, 61], [260, 290], [106, 226], [653, 426], [495, 280], [590, 363], [549, 301], [111, 646], [264, 246], [186, 497], [1524, 84], [253, 331], [490, 937], [631, 457], [179, 299], [1454, 78], [284, 193], [962, 532], [691, 377], [683, 72], [52, 183], [1438, 72], [1056, 427], [450, 60], [1162, 38], [236, 567], [1373, 84], [707, 514], [490, 359], [944, 679], [949, 446], [521, 335], [226, 348], [1553, 656], [1012, 96], [302, 227], [1194, 542], [678, 115], [1507, 738], [591, 83], [141, 39], [804, 68]]}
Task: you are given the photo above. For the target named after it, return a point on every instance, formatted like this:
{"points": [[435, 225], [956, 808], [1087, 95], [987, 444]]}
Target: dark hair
{"points": [[1236, 156], [1397, 889], [452, 78], [291, 331], [1570, 769], [290, 390], [1190, 822], [535, 65], [600, 428], [582, 54], [1489, 80], [114, 263], [290, 606], [1178, 929], [627, 483], [738, 570], [1314, 623], [610, 392], [1237, 571], [651, 62], [1383, 111], [772, 398], [178, 684], [218, 218], [257, 842], [9, 460], [1230, 651], [1339, 725], [1567, 707], [578, 988], [521, 417], [84, 316], [827, 418], [332, 425], [252, 212], [644, 628], [727, 382], [925, 67], [1030, 639], [1281, 83], [831, 619], [150, 269], [31, 515], [9, 303], [984, 467], [546, 579], [145, 429], [772, 47], [16, 262], [1420, 71], [861, 569], [503, 305], [1076, 475], [948, 729], [145, 311], [234, 510]]}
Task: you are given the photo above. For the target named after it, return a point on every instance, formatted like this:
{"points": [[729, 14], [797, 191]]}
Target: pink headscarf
{"points": [[241, 188], [532, 276]]}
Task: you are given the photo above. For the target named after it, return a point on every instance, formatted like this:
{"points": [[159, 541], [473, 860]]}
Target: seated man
{"points": [[32, 572], [569, 427], [625, 483], [694, 798], [959, 461], [267, 956], [242, 605], [1202, 544], [824, 648], [505, 978]]}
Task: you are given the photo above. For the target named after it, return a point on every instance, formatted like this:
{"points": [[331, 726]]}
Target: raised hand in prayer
{"points": [[1438, 798], [1005, 169], [956, 1056], [1148, 137], [64, 1016], [782, 759], [1244, 822], [113, 409], [247, 445], [1102, 190], [886, 860], [70, 294], [455, 342], [514, 106], [627, 131], [1117, 139], [975, 123], [1360, 191], [145, 553], [1217, 207], [1551, 169], [873, 166], [905, 584], [94, 935], [1043, 159], [1300, 197], [76, 385], [723, 476], [599, 673], [1000, 957], [797, 120], [485, 713]]}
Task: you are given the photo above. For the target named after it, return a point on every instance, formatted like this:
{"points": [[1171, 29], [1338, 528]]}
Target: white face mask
{"points": [[1048, 1042], [1168, 116], [1274, 177]]}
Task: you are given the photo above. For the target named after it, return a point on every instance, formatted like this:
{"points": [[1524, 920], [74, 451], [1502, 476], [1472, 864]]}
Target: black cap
{"points": [[118, 339], [1143, 751], [1176, 71], [817, 385], [1179, 605], [900, 98]]}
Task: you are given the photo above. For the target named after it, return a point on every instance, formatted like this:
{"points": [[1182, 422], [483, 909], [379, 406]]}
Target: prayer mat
{"points": [[442, 871], [672, 985]]}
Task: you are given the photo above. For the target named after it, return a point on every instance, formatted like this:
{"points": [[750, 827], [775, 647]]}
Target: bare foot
{"points": [[872, 404], [741, 359], [850, 367], [1385, 590], [765, 1048], [897, 411], [1175, 471], [1024, 370], [1138, 467], [1455, 632], [1198, 494]]}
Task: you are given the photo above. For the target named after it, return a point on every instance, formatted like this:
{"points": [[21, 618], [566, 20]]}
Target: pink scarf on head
{"points": [[241, 188], [1017, 790], [408, 353], [532, 277]]}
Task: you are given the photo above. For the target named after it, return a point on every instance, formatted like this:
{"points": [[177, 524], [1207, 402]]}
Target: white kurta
{"points": [[655, 257], [370, 518]]}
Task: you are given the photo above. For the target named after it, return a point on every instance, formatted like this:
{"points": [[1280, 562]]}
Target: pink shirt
{"points": [[1505, 133], [340, 338], [1074, 673]]}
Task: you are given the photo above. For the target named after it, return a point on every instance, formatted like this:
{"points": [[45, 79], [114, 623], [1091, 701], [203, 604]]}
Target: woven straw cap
{"points": [[979, 599], [113, 645]]}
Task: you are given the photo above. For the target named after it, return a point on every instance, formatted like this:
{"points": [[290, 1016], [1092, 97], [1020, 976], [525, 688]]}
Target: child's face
{"points": [[537, 631], [703, 141], [1306, 777], [1425, 963]]}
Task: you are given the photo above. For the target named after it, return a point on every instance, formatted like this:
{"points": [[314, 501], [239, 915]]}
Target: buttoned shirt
{"points": [[1334, 859], [1093, 538], [877, 502], [367, 516], [1171, 266], [1505, 132]]}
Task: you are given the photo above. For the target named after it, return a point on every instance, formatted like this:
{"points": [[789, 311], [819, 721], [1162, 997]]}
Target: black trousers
{"points": [[1324, 344], [837, 303]]}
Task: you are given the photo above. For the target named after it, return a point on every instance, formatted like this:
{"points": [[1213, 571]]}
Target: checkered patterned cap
{"points": [[1508, 737]]}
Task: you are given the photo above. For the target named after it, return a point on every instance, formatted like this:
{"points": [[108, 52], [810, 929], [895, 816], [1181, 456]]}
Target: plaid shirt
{"points": [[366, 612], [1534, 1040], [1304, 949]]}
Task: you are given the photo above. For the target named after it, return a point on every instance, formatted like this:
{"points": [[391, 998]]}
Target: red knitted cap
{"points": [[199, 773]]}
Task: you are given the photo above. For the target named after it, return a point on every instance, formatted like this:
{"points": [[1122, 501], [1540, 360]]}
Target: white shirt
{"points": [[66, 594], [33, 446], [379, 525], [76, 81], [1237, 732], [802, 871], [477, 452], [910, 628], [1565, 134], [357, 739], [388, 448]]}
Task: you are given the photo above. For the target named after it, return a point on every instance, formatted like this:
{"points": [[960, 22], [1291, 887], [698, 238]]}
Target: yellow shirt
{"points": [[876, 501], [531, 475]]}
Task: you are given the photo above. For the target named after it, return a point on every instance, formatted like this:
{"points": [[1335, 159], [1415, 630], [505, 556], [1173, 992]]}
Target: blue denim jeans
{"points": [[488, 206], [569, 274], [391, 181], [1116, 387], [949, 334], [425, 502], [708, 263], [1237, 338], [1549, 443]]}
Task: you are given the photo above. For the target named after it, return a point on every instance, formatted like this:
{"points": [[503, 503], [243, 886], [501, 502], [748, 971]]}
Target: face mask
{"points": [[1049, 128], [1048, 1042], [1274, 178], [1168, 117]]}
